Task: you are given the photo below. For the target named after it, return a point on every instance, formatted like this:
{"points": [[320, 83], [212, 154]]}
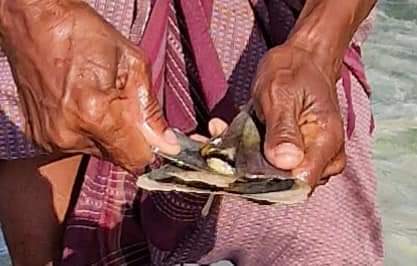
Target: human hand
{"points": [[83, 86], [297, 100]]}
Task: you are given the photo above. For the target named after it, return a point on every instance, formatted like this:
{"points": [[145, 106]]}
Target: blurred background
{"points": [[391, 60]]}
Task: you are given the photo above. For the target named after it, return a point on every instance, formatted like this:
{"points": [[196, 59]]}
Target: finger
{"points": [[320, 152], [283, 141], [217, 126], [199, 138], [131, 151], [105, 118], [119, 141], [336, 166], [151, 122], [153, 125]]}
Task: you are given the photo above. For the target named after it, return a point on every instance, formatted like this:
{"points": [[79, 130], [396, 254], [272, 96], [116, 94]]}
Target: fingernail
{"points": [[286, 156], [287, 149], [170, 137]]}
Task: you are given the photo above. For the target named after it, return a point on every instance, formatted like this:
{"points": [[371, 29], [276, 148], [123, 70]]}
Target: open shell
{"points": [[232, 164]]}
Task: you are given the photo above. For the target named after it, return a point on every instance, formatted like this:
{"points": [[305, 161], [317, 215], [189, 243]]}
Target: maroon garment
{"points": [[204, 55]]}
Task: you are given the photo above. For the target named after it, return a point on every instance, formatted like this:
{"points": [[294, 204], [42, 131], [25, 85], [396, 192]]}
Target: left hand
{"points": [[298, 102]]}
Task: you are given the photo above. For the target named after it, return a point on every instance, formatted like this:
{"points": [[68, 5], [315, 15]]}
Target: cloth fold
{"points": [[204, 55]]}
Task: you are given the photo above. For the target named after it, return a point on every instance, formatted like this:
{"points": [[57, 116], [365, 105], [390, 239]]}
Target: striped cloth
{"points": [[204, 54]]}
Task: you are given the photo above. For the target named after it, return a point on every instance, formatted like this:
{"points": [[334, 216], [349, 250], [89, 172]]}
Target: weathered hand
{"points": [[83, 86], [298, 102]]}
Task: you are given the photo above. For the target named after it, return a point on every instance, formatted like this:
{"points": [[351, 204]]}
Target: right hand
{"points": [[83, 86]]}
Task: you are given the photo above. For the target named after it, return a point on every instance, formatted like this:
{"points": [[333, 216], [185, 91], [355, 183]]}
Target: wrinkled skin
{"points": [[84, 89], [298, 102], [294, 91]]}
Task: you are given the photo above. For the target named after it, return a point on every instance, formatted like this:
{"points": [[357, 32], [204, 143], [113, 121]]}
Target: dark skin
{"points": [[83, 87], [295, 90]]}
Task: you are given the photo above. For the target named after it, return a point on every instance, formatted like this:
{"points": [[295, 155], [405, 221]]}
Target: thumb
{"points": [[151, 121], [153, 126], [283, 141]]}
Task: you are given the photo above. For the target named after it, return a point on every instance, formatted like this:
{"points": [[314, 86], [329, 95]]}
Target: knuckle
{"points": [[93, 110], [284, 129], [284, 132], [151, 109]]}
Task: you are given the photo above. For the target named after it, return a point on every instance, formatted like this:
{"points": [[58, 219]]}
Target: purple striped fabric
{"points": [[204, 55]]}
